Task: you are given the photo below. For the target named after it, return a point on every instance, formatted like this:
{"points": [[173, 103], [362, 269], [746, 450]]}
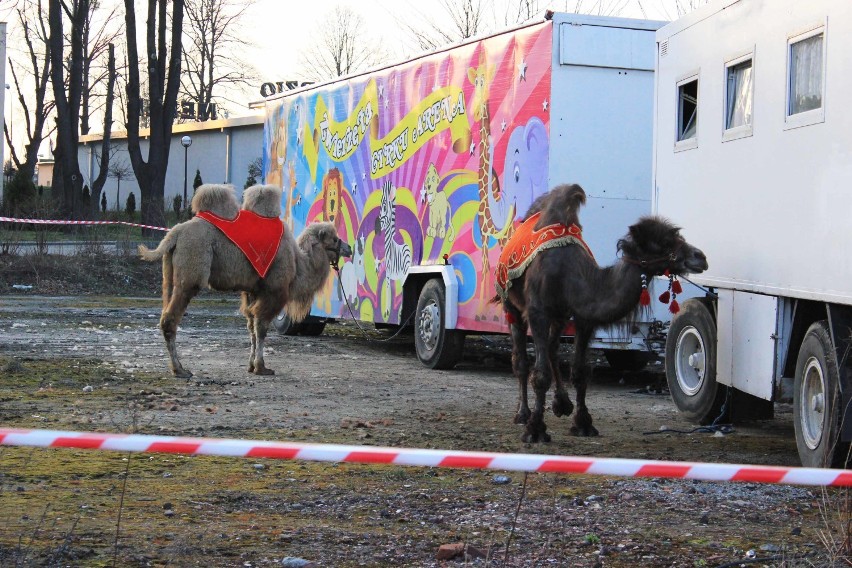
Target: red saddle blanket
{"points": [[258, 237], [526, 243]]}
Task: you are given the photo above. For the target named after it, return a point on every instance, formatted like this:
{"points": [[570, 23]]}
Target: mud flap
{"points": [[840, 324]]}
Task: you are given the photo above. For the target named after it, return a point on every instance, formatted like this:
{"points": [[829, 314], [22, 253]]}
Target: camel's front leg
{"points": [[250, 325], [562, 405], [520, 365], [169, 321], [582, 420], [536, 430]]}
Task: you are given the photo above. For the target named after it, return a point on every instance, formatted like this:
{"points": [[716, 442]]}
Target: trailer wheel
{"points": [[627, 361], [286, 326], [691, 363], [437, 347], [816, 401], [313, 326]]}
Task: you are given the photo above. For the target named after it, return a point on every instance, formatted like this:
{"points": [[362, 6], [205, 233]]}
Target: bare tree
{"points": [[600, 7], [211, 61], [67, 78], [106, 149], [99, 35], [342, 46], [31, 89], [687, 6], [67, 100], [119, 170], [462, 19], [163, 68]]}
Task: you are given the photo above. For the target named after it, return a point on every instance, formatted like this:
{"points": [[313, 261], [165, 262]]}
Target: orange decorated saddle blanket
{"points": [[526, 243], [257, 236]]}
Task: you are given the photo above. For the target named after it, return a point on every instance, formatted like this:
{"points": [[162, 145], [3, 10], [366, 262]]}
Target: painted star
{"points": [[544, 105], [381, 90], [355, 186], [435, 87], [363, 175], [472, 148], [503, 126], [522, 71]]}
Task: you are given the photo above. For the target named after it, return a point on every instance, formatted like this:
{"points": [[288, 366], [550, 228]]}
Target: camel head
{"points": [[657, 245], [324, 234]]}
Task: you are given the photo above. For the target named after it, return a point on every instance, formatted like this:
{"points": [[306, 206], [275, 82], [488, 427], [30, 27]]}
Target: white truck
{"points": [[426, 165], [753, 157]]}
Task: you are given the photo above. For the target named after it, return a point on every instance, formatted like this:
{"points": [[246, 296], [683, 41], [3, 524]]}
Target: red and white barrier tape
{"points": [[428, 458], [62, 222]]}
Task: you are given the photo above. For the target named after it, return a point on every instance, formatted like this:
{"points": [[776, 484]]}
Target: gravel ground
{"points": [[355, 387]]}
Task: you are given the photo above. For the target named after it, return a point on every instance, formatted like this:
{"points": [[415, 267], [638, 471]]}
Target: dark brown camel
{"points": [[566, 282]]}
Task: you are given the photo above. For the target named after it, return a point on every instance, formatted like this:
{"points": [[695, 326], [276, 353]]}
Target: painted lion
{"points": [[440, 218]]}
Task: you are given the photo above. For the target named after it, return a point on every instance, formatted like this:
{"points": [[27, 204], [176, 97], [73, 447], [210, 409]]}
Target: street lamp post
{"points": [[186, 142]]}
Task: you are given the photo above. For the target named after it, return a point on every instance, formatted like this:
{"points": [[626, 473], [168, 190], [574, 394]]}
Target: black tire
{"points": [[627, 361], [817, 401], [437, 347], [313, 326], [286, 326], [691, 364]]}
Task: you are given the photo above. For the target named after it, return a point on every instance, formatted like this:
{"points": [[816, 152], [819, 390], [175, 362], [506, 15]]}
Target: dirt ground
{"points": [[98, 363]]}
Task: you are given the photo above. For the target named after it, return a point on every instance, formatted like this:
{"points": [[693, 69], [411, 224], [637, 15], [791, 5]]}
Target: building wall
{"points": [[221, 151]]}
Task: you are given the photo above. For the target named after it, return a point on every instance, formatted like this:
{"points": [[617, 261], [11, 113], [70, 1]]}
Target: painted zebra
{"points": [[397, 256]]}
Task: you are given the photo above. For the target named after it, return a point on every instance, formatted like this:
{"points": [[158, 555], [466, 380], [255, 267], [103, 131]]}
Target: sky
{"points": [[278, 30], [281, 30]]}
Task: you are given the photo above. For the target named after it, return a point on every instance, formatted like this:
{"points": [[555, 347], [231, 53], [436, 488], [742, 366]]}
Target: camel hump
{"points": [[265, 200], [219, 199], [560, 204], [570, 196]]}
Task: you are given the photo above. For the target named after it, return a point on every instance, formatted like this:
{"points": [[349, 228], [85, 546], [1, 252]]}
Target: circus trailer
{"points": [[753, 156], [427, 166]]}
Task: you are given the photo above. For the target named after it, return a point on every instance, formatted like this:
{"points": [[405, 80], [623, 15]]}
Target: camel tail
{"points": [[163, 251]]}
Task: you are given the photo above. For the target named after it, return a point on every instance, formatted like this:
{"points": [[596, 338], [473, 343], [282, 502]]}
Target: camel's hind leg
{"points": [[246, 307], [562, 405], [262, 310], [169, 320], [583, 419]]}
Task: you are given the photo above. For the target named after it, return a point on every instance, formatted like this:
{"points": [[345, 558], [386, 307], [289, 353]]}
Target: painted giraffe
{"points": [[491, 207], [291, 194]]}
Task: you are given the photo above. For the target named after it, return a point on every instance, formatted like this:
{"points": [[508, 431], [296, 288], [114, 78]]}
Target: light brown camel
{"points": [[565, 282], [196, 254]]}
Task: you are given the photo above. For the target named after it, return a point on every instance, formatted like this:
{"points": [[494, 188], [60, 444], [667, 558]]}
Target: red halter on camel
{"points": [[257, 236]]}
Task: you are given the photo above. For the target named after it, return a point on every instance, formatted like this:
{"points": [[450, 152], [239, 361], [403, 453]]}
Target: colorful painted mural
{"points": [[438, 156]]}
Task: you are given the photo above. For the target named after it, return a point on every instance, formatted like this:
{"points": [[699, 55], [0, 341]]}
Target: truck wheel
{"points": [[624, 360], [286, 326], [691, 363], [313, 326], [816, 401], [437, 347]]}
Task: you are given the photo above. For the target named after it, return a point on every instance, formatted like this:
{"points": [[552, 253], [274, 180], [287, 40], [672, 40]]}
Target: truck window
{"points": [[805, 78], [687, 113], [738, 95]]}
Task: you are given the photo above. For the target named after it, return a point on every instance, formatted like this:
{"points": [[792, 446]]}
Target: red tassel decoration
{"points": [[510, 318], [665, 297], [674, 307], [645, 296], [676, 287]]}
